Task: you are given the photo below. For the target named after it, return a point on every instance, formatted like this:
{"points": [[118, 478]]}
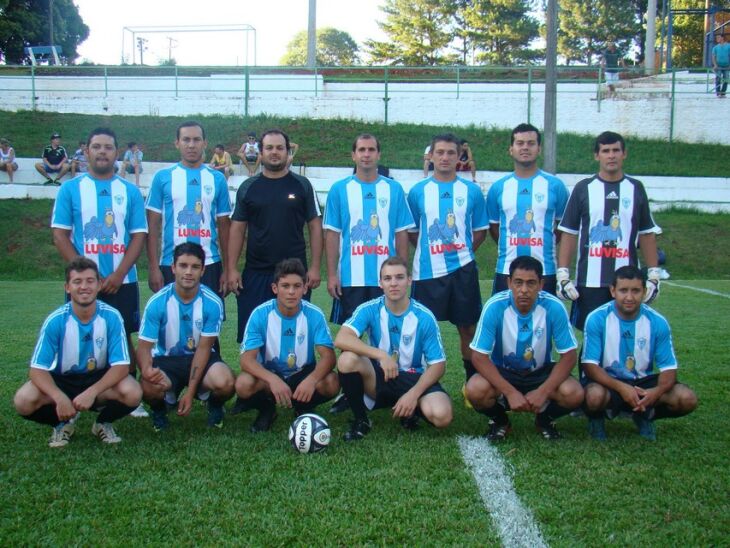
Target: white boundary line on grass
{"points": [[700, 289], [513, 521]]}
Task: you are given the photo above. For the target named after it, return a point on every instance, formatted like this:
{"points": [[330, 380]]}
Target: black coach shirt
{"points": [[276, 211]]}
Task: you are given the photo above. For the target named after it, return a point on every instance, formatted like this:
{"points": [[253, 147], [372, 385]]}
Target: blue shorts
{"points": [[455, 297]]}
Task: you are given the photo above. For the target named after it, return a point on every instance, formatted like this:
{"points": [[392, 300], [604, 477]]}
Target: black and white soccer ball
{"points": [[309, 433]]}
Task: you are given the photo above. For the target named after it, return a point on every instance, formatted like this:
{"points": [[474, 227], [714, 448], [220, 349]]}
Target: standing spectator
{"points": [[721, 64], [54, 161], [7, 159], [221, 161], [250, 154], [132, 161], [79, 162], [611, 60]]}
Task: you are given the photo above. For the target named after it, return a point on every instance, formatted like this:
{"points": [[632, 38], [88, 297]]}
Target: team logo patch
{"points": [[199, 324], [539, 197], [99, 341], [626, 202], [407, 339], [641, 342], [300, 338], [119, 199], [383, 202], [460, 201], [539, 332]]}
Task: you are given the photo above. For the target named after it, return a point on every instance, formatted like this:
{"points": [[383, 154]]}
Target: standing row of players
{"points": [[367, 219]]}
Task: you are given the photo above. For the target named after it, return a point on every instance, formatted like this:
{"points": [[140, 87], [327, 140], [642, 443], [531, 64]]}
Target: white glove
{"points": [[566, 289], [652, 284]]}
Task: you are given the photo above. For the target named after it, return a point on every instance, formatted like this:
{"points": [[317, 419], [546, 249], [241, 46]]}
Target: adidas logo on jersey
{"points": [[289, 332], [612, 195]]}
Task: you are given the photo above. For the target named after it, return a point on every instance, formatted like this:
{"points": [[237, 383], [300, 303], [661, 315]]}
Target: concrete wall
{"points": [[641, 108]]}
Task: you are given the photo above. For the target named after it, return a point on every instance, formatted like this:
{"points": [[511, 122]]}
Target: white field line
{"points": [[700, 289], [514, 522]]}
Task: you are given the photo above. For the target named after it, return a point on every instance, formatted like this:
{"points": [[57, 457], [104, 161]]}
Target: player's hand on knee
{"points": [[566, 289], [652, 284]]}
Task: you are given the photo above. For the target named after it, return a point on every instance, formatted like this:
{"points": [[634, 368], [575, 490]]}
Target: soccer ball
{"points": [[309, 433]]}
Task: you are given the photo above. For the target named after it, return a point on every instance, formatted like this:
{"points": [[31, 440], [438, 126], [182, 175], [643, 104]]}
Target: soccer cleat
{"points": [[215, 415], [547, 430], [340, 404], [241, 406], [498, 431], [264, 420], [140, 412], [647, 428], [62, 433], [597, 429], [410, 423], [359, 428], [160, 421], [106, 432]]}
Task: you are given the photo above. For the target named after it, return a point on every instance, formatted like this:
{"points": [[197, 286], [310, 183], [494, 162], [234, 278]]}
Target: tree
{"points": [[501, 30], [587, 25], [334, 48], [24, 23], [419, 32]]}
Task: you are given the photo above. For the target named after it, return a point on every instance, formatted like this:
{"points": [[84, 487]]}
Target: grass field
{"points": [[195, 486]]}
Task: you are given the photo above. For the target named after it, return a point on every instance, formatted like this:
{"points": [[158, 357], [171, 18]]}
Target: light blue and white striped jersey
{"points": [[446, 214], [102, 215], [190, 201], [523, 343], [66, 346], [285, 344], [175, 327], [412, 338], [367, 216], [628, 349], [526, 211]]}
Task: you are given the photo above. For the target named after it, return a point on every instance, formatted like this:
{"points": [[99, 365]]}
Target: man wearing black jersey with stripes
{"points": [[605, 217]]}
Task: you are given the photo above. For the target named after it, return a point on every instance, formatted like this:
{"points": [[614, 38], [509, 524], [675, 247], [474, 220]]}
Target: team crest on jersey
{"points": [[90, 363], [199, 324], [383, 202], [539, 197], [539, 332], [300, 338], [641, 341], [407, 339], [460, 201], [626, 202], [99, 341], [119, 199]]}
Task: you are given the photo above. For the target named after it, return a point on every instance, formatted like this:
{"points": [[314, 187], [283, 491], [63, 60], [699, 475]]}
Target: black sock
{"points": [[497, 413], [45, 414], [114, 410], [354, 390], [552, 413]]}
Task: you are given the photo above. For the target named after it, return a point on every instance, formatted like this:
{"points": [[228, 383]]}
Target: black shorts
{"points": [[454, 297], [256, 290], [351, 298], [177, 369], [211, 276], [530, 381], [589, 298], [126, 301], [500, 283], [388, 393], [73, 385]]}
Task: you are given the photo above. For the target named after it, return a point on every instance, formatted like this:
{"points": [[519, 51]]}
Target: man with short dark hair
{"points": [[512, 355], [400, 365], [524, 208], [188, 202], [80, 363], [53, 162], [451, 224], [606, 215], [180, 327], [629, 361], [279, 365]]}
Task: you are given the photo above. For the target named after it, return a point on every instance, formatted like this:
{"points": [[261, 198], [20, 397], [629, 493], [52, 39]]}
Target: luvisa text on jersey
{"points": [[370, 250], [440, 249], [193, 232]]}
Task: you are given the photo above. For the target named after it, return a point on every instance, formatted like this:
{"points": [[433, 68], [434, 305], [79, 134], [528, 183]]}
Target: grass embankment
{"points": [[328, 142]]}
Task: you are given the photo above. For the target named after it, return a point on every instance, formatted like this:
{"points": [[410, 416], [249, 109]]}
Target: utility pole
{"points": [[312, 35], [650, 37], [550, 144], [142, 46]]}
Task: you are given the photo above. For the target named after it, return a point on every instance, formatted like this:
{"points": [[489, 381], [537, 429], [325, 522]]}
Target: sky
{"points": [[276, 22]]}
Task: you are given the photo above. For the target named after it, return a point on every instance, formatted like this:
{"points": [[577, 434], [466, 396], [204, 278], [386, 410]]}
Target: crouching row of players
{"points": [[81, 360]]}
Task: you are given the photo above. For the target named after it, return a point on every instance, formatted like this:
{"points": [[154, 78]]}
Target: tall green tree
{"points": [[25, 23], [587, 25], [418, 31], [334, 48], [501, 30]]}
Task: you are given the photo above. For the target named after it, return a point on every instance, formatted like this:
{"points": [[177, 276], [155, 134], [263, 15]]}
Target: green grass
{"points": [[328, 142], [196, 486]]}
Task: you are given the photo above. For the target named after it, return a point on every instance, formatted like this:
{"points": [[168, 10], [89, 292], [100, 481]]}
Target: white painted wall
{"points": [[642, 108]]}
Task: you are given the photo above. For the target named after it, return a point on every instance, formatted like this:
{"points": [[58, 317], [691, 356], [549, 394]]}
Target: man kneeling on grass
{"points": [[402, 368], [512, 355], [628, 359], [180, 325], [278, 362], [80, 363]]}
